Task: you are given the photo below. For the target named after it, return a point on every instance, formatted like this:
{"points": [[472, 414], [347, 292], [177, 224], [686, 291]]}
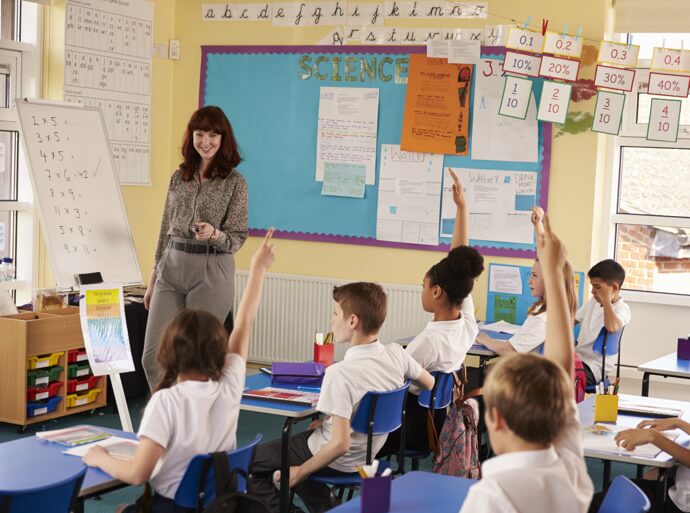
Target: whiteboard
{"points": [[73, 177]]}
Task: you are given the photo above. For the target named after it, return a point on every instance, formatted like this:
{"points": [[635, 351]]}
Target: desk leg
{"points": [[639, 472], [285, 468], [607, 474], [79, 505], [645, 384]]}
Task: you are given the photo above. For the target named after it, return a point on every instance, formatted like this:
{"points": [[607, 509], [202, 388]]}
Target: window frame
{"points": [[632, 134]]}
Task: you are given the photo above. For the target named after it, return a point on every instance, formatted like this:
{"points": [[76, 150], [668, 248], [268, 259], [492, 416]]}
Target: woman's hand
{"points": [[204, 231], [147, 297]]}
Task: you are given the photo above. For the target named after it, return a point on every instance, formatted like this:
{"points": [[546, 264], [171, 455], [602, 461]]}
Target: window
{"points": [[650, 223]]}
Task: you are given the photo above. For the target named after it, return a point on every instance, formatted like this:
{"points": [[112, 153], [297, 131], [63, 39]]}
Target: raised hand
{"points": [[265, 255]]}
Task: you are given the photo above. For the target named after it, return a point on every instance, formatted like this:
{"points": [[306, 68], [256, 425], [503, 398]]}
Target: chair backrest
{"points": [[379, 413], [624, 497], [607, 344], [193, 485], [56, 498], [441, 395]]}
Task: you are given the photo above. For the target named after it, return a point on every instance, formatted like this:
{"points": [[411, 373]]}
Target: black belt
{"points": [[194, 248]]}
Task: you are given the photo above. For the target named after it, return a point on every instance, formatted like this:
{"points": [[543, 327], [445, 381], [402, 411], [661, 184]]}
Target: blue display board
{"points": [[513, 307], [271, 96]]}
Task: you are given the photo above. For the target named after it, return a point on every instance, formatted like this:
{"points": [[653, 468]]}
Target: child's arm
{"points": [[537, 219], [631, 438], [425, 380], [611, 321], [334, 449], [246, 312], [666, 424], [559, 334], [135, 471], [500, 347], [460, 230]]}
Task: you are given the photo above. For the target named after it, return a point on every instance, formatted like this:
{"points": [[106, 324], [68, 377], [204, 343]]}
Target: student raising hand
{"points": [[461, 235], [537, 219], [266, 254]]}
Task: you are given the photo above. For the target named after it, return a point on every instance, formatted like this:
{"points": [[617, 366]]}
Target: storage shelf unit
{"points": [[29, 335]]}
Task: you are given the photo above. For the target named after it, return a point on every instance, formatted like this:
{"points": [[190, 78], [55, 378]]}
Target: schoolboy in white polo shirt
{"points": [[605, 308], [329, 445], [532, 418]]}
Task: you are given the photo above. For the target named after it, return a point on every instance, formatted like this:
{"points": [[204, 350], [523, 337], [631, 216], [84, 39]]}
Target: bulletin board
{"points": [[271, 96], [513, 307]]}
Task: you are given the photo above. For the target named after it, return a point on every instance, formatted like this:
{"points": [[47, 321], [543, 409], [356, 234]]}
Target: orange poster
{"points": [[437, 106]]}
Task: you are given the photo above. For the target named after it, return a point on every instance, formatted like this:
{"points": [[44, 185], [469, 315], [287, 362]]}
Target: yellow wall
{"points": [[175, 97]]}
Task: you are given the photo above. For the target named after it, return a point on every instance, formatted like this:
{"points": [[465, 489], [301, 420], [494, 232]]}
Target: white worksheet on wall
{"points": [[409, 196], [108, 61], [499, 204]]}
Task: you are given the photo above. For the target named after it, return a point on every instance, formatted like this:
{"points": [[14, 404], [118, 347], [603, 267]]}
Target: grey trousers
{"points": [[186, 280]]}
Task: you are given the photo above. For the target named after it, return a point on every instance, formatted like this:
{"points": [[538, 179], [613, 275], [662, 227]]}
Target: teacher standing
{"points": [[204, 224]]}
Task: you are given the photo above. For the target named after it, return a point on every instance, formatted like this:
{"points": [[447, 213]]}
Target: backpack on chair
{"points": [[228, 499], [457, 449], [580, 379]]}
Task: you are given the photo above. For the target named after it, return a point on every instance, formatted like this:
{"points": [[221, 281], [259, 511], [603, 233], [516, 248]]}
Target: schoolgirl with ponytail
{"points": [[532, 334]]}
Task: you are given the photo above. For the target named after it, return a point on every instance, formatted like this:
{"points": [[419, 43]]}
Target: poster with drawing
{"points": [[102, 313]]}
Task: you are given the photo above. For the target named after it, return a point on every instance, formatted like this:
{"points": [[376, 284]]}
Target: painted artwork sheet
{"points": [[102, 312]]}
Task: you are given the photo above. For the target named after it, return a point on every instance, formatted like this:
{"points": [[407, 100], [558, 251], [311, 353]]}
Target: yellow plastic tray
{"points": [[41, 362], [74, 400]]}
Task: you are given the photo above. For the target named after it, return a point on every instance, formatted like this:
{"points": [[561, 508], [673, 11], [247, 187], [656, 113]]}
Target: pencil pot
{"points": [[376, 494], [683, 349], [605, 408], [323, 353]]}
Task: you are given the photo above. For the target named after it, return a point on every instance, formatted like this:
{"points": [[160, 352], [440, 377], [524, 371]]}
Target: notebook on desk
{"points": [[647, 410], [283, 395]]}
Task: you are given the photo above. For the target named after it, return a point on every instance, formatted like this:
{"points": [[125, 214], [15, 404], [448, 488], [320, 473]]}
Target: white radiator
{"points": [[294, 307]]}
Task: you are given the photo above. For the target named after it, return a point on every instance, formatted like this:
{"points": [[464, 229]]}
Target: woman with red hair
{"points": [[204, 224]]}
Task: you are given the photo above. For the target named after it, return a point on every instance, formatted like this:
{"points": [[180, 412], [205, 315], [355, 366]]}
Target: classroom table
{"points": [[666, 366], [35, 462], [415, 492], [292, 414], [662, 461]]}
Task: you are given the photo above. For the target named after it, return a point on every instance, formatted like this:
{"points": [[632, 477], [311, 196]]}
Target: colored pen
{"points": [[361, 472], [309, 389]]}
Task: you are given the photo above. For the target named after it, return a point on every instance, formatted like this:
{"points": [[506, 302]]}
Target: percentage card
{"points": [[555, 67], [608, 113], [563, 44], [522, 64], [516, 95], [618, 53], [555, 99], [664, 84], [670, 59], [664, 119], [525, 40], [614, 78]]}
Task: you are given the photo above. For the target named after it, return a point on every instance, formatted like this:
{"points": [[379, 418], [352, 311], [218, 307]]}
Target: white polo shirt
{"points": [[190, 418], [531, 334], [591, 319], [366, 368], [443, 345], [680, 491], [546, 481]]}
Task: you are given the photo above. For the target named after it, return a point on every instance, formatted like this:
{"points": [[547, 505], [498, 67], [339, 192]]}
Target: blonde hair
{"points": [[539, 306], [531, 393]]}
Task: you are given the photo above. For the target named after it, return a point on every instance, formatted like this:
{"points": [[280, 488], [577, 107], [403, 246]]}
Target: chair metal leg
{"points": [[607, 474], [645, 384], [285, 467]]}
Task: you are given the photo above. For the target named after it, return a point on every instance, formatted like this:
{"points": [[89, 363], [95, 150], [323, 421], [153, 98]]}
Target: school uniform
{"points": [[591, 319], [531, 334], [549, 480], [365, 368], [190, 418], [441, 346]]}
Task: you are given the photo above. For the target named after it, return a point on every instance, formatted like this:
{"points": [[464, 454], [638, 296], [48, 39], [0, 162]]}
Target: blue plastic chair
{"points": [[378, 413], [196, 492], [624, 496], [438, 398], [607, 344], [60, 497]]}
